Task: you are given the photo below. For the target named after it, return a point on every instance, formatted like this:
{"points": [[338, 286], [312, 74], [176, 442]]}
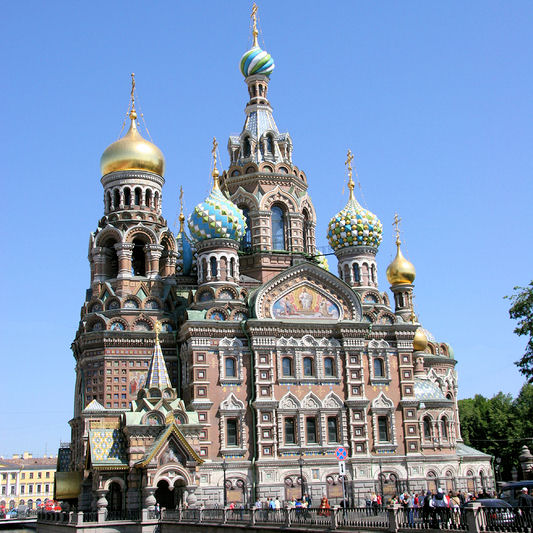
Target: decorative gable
{"points": [[307, 292]]}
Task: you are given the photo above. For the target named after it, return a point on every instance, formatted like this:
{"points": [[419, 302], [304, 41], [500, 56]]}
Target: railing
{"points": [[364, 517], [504, 519], [453, 519]]}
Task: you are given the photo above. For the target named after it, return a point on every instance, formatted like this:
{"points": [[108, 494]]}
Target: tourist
{"points": [[324, 508]]}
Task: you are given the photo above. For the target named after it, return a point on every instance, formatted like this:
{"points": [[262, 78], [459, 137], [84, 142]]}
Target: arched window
{"points": [[379, 368], [329, 367], [444, 427], [213, 267], [427, 427], [148, 198], [278, 228], [232, 267], [127, 196], [108, 201], [138, 259], [308, 366], [138, 194], [307, 233], [246, 148], [231, 370], [356, 273], [156, 200], [286, 366], [400, 299], [116, 202], [246, 241], [111, 259], [270, 144], [373, 272], [290, 431]]}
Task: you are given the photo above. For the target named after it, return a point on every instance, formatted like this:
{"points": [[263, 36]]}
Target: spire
{"points": [[133, 113], [253, 16], [157, 377]]}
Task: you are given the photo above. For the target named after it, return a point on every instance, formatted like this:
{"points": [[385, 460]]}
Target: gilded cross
{"points": [[253, 16], [214, 152], [396, 225]]}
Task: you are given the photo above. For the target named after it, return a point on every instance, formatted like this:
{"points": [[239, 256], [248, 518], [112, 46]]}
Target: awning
{"points": [[67, 485]]}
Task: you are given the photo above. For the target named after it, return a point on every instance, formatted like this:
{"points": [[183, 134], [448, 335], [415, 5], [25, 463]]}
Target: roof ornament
{"points": [[215, 172], [182, 216], [396, 224], [253, 16], [133, 113], [157, 328], [348, 163]]}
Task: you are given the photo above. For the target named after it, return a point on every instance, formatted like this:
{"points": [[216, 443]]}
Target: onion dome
{"points": [[420, 342], [400, 271], [255, 60], [217, 217], [354, 225], [132, 152]]}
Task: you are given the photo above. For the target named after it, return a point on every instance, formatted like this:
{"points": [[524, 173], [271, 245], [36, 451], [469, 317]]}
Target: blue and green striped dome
{"points": [[354, 226], [217, 218], [256, 61]]}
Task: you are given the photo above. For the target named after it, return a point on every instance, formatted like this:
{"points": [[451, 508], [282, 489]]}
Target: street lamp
{"points": [[224, 468], [381, 481], [301, 463]]}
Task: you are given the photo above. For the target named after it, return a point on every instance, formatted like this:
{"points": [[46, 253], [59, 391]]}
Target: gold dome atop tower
{"points": [[420, 342], [132, 152], [400, 271]]}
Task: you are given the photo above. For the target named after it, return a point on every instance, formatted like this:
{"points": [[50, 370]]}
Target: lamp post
{"points": [[301, 463], [224, 468], [381, 481]]}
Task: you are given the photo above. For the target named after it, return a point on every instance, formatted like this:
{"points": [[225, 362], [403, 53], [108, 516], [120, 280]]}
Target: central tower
{"points": [[263, 181]]}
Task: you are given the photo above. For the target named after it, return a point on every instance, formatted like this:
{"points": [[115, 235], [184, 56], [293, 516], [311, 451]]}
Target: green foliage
{"points": [[522, 310], [499, 426]]}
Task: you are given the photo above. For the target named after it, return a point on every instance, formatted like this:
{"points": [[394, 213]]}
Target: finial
{"points": [[253, 16], [348, 163], [157, 328], [396, 225], [215, 173], [182, 216], [133, 113]]}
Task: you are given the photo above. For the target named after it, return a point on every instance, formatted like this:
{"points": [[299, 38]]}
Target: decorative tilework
{"points": [[157, 373], [256, 61], [107, 448], [427, 390]]}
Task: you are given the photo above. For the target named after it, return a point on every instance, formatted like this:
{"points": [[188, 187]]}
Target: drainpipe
{"points": [[252, 409]]}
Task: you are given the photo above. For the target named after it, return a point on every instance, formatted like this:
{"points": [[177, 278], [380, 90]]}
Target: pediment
{"points": [[307, 292]]}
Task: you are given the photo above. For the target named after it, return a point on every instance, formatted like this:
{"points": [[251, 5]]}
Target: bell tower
{"points": [[263, 181]]}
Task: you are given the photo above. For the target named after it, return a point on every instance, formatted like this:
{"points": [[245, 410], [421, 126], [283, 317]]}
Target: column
{"points": [[153, 254], [124, 252]]}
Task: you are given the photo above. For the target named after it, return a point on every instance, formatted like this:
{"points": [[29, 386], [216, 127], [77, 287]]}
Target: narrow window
{"points": [[286, 365], [308, 366], [148, 198], [306, 233], [246, 241], [444, 428], [213, 265], [383, 429], [231, 371], [232, 267], [127, 196], [231, 432], [427, 427], [156, 200], [356, 273], [310, 429], [278, 228], [378, 368], [333, 432], [138, 193], [246, 148], [328, 367], [138, 261], [373, 272], [290, 434], [108, 201], [270, 144], [116, 201]]}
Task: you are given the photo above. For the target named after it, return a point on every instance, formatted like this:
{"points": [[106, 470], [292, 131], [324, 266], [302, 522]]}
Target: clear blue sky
{"points": [[434, 99]]}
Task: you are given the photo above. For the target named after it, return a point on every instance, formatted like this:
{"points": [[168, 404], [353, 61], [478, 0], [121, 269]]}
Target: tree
{"points": [[499, 426], [522, 310]]}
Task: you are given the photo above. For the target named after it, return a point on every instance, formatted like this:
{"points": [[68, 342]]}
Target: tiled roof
{"points": [[107, 448]]}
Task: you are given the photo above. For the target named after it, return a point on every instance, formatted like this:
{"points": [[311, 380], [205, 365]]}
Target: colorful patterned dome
{"points": [[217, 218], [256, 61], [354, 226]]}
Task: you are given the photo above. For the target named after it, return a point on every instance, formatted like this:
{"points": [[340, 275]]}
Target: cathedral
{"points": [[226, 363]]}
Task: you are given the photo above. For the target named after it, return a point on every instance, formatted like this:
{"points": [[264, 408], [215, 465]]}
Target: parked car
{"points": [[495, 514], [511, 491]]}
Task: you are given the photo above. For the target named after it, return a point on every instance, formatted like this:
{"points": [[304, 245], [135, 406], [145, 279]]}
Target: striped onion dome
{"points": [[354, 226], [217, 218], [256, 61]]}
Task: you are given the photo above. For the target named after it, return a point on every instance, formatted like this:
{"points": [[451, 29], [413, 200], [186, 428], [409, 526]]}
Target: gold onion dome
{"points": [[132, 152], [400, 271], [420, 342]]}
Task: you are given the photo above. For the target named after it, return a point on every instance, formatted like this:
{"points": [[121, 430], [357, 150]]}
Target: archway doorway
{"points": [[114, 497], [164, 495]]}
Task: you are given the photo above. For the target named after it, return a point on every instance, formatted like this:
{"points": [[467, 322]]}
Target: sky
{"points": [[433, 98]]}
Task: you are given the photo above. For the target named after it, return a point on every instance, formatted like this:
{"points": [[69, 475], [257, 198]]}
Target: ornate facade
{"points": [[231, 364]]}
